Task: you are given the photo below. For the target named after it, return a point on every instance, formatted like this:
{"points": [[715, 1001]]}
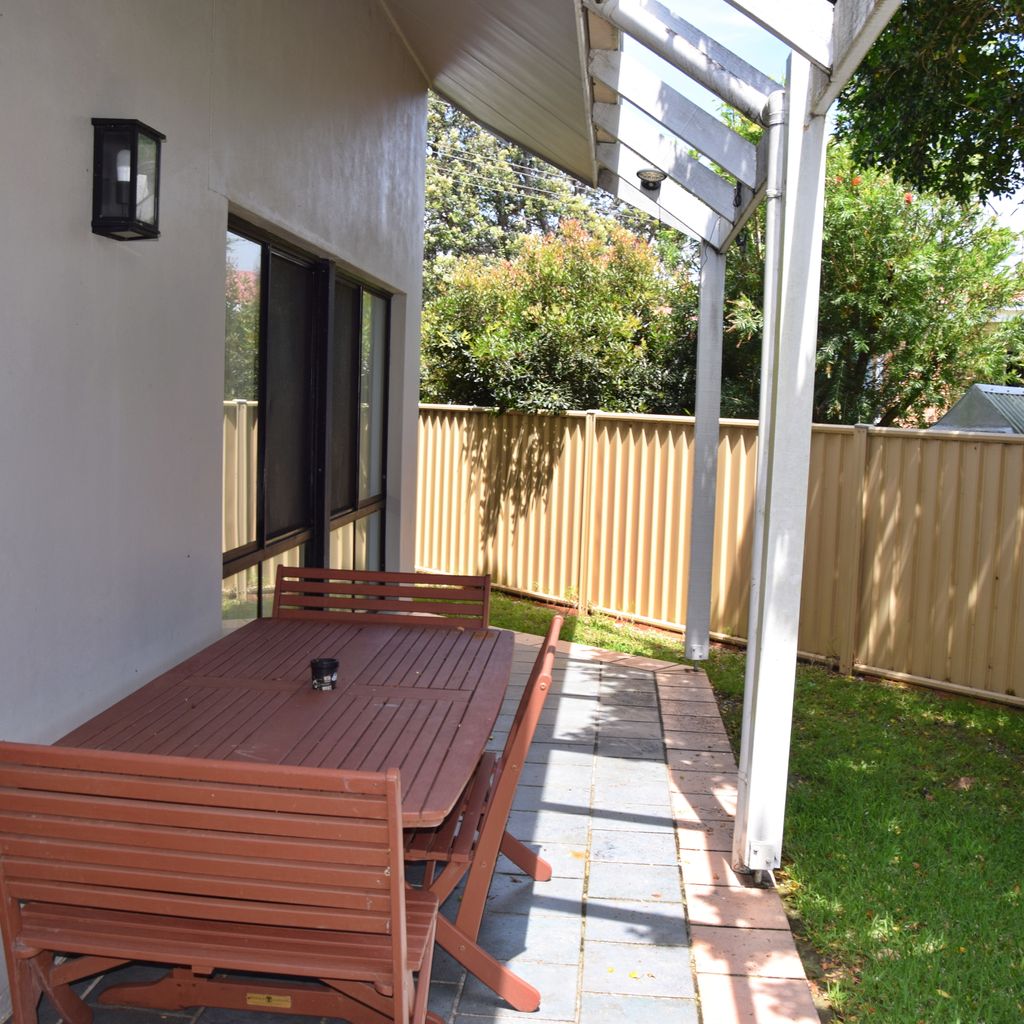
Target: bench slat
{"points": [[151, 812], [156, 837]]}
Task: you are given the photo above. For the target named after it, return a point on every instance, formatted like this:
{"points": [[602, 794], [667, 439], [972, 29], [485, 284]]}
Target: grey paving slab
{"points": [[654, 883], [557, 984], [646, 795], [560, 754], [641, 749], [628, 713], [633, 819], [611, 769], [555, 798], [633, 847], [518, 938], [615, 1008], [613, 727], [633, 969], [634, 921], [542, 774], [553, 826], [639, 698], [566, 860], [517, 894], [442, 998]]}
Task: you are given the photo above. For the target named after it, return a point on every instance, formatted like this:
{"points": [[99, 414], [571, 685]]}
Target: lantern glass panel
{"points": [[146, 182], [115, 186]]}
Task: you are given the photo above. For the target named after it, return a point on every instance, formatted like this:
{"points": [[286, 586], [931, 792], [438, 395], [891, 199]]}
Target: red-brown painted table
{"points": [[421, 699]]}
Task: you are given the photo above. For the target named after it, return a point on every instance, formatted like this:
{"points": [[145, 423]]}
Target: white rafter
{"points": [[635, 129], [680, 116], [705, 224], [691, 51], [803, 25], [625, 191]]}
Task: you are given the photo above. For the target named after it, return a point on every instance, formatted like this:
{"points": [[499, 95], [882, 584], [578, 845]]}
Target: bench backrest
{"points": [[214, 840], [398, 598]]}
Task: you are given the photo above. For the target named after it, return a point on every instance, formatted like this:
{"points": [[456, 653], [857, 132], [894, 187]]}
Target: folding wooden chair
{"points": [[470, 840], [384, 598], [208, 866]]}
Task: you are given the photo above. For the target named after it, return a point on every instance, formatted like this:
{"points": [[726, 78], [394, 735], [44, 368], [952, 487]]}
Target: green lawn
{"points": [[904, 836]]}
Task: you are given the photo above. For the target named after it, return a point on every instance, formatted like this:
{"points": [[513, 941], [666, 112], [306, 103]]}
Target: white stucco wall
{"points": [[306, 117]]}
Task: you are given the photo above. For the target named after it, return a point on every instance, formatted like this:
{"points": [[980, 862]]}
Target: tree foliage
{"points": [[482, 193], [939, 98], [522, 314], [910, 286], [241, 323], [574, 319]]}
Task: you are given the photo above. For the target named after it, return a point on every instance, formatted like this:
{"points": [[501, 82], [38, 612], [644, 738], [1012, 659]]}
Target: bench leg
{"points": [[519, 994], [525, 859], [69, 1006], [25, 992]]}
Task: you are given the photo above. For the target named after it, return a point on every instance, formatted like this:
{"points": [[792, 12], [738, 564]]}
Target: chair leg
{"points": [[525, 859], [422, 990], [519, 994]]}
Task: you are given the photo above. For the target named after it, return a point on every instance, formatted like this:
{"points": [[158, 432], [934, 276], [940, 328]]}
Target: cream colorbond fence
{"points": [[914, 556]]}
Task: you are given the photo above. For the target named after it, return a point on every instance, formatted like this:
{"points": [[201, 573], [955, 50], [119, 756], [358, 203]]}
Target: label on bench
{"points": [[266, 999]]}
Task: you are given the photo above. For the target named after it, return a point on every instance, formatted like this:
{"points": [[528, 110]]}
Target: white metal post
{"points": [[787, 386], [705, 451]]}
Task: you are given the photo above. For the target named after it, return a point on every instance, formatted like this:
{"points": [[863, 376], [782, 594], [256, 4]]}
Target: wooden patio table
{"points": [[423, 700]]}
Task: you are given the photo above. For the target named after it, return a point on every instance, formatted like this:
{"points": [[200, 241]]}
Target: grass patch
{"points": [[903, 836], [596, 630]]}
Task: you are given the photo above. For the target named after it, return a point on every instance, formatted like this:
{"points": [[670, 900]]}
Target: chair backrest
{"points": [[213, 840], [487, 838], [398, 598], [524, 724]]}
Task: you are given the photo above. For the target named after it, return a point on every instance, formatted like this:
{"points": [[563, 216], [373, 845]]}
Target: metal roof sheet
{"points": [[986, 407], [518, 69]]}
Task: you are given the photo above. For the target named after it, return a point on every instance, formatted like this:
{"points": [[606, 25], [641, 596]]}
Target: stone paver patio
{"points": [[629, 792]]}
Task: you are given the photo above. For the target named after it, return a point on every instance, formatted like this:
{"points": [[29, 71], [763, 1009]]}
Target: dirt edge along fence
{"points": [[914, 554]]}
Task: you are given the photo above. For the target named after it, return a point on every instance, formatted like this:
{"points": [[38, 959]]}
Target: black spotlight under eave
{"points": [[126, 179]]}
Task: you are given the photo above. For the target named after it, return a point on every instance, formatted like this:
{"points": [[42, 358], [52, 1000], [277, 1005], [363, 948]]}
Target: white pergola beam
{"points": [[680, 116], [705, 453], [792, 282], [803, 25], [677, 201], [856, 25], [632, 194], [689, 50], [635, 129]]}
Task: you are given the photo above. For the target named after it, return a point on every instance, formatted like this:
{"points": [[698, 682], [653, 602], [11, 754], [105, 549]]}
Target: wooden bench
{"points": [[391, 598], [204, 866]]}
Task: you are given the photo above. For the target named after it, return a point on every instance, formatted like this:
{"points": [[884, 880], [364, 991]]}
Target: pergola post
{"points": [[705, 451], [792, 276]]}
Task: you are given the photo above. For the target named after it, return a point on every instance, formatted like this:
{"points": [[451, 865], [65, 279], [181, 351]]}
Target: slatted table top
{"points": [[422, 700]]}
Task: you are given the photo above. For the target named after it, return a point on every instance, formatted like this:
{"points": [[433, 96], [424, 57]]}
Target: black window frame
{"points": [[322, 519]]}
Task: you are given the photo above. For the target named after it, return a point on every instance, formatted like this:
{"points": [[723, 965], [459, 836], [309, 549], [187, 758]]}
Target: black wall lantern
{"points": [[125, 179]]}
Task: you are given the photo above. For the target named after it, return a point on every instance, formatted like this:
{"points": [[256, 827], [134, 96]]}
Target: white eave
{"points": [[517, 68]]}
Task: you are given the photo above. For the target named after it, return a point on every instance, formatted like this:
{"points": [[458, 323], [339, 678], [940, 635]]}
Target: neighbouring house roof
{"points": [[988, 408]]}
